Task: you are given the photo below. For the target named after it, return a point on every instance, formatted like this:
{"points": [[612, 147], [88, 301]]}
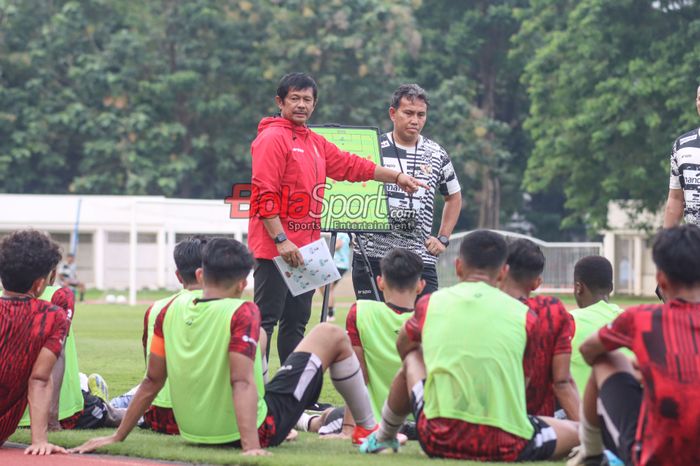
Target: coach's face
{"points": [[297, 106], [409, 119]]}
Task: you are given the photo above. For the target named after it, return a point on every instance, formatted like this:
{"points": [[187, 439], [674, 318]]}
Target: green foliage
{"points": [[549, 108], [611, 85]]}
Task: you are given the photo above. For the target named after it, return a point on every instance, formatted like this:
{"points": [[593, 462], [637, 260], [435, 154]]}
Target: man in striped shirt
{"points": [[404, 149]]}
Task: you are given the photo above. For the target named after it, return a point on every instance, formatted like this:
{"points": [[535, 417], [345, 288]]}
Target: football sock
{"points": [[390, 425], [590, 436], [347, 379]]}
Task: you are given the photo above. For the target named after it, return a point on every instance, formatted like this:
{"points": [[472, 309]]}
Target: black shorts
{"points": [[296, 385], [619, 404], [92, 416], [540, 447]]}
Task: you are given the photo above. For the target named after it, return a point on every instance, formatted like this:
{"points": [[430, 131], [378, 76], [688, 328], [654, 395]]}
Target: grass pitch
{"points": [[108, 338]]}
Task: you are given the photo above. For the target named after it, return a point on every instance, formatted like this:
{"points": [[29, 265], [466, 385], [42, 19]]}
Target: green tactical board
{"points": [[354, 207]]}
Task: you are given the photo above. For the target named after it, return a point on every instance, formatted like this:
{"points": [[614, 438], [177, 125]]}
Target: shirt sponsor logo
{"points": [[297, 149], [385, 144]]}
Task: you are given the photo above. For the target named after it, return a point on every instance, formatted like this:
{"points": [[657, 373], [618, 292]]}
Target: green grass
{"points": [[108, 338]]}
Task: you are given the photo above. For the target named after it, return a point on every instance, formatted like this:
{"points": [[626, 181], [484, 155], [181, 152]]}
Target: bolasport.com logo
{"points": [[304, 210]]}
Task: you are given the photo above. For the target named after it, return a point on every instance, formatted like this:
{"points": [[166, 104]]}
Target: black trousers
{"points": [[277, 304], [362, 281]]}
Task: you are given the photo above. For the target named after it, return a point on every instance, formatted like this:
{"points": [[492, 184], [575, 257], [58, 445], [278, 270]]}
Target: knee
{"points": [[332, 332], [609, 364]]}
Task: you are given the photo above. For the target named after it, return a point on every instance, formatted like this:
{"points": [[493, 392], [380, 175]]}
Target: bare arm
{"points": [[404, 345], [245, 402], [288, 250], [564, 385], [405, 182], [591, 348], [674, 208], [57, 381], [146, 393], [39, 395], [450, 213]]}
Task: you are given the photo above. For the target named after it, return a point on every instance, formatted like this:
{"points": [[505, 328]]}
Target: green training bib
{"points": [[379, 326], [71, 397], [197, 337], [588, 321], [474, 338]]}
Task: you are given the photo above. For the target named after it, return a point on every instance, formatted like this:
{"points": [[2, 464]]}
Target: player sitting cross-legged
{"points": [[33, 333], [547, 365], [658, 421], [208, 348], [462, 372]]}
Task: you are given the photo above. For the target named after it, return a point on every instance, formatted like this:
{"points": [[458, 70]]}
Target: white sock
{"points": [[590, 436], [304, 422], [390, 425], [347, 379]]}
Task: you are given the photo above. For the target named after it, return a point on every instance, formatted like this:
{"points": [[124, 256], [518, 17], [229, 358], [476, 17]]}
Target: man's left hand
{"points": [[434, 246], [409, 183]]}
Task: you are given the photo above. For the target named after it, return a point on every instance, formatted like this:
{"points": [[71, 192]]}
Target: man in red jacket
{"points": [[290, 166]]}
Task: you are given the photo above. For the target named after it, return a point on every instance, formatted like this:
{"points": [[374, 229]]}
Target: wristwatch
{"points": [[444, 240], [281, 238]]}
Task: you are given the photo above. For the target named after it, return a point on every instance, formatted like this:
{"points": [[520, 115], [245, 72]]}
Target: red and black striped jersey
{"points": [[554, 332], [26, 326], [666, 341]]}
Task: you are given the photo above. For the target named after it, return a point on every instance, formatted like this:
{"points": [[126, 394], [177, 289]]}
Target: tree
{"points": [[610, 88]]}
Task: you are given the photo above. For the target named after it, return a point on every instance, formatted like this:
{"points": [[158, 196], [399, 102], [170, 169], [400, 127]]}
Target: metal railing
{"points": [[558, 276]]}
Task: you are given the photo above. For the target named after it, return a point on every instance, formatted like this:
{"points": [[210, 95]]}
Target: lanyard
{"points": [[398, 160]]}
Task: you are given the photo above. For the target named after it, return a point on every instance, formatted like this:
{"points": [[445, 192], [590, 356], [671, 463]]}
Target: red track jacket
{"points": [[290, 166]]}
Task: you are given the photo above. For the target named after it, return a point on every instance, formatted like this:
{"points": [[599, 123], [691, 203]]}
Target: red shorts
{"points": [[161, 420]]}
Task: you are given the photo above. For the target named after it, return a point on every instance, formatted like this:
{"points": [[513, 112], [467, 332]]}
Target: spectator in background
{"points": [[68, 275]]}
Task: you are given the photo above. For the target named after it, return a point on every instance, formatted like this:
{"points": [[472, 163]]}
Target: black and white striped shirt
{"points": [[685, 173], [429, 163]]}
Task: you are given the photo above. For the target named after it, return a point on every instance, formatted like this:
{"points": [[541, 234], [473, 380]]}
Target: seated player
{"points": [[462, 373], [547, 369], [32, 332], [208, 348], [73, 407], [373, 325], [188, 258], [658, 421], [593, 283]]}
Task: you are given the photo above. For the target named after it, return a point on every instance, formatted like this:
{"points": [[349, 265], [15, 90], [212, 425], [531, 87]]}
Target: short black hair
{"points": [[596, 273], [25, 256], [225, 261], [483, 250], [401, 269], [297, 81], [411, 92], [188, 257], [525, 260], [676, 253]]}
